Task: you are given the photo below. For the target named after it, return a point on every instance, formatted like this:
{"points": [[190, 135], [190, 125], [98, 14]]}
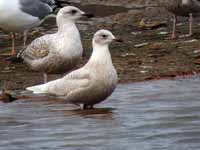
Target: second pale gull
{"points": [[58, 52]]}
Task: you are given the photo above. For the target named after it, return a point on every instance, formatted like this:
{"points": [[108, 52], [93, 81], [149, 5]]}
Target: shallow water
{"points": [[143, 116]]}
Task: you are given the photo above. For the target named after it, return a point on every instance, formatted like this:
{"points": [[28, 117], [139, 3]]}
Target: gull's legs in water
{"points": [[86, 106]]}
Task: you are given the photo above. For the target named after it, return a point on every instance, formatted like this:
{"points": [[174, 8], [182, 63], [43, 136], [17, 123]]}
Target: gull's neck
{"points": [[66, 25], [100, 55], [69, 36]]}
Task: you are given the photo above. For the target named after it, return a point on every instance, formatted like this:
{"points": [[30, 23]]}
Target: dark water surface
{"points": [[156, 115]]}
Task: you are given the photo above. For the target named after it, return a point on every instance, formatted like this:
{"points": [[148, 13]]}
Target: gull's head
{"points": [[72, 13], [104, 37]]}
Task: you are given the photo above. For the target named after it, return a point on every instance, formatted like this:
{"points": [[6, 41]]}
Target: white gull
{"points": [[58, 52], [90, 84]]}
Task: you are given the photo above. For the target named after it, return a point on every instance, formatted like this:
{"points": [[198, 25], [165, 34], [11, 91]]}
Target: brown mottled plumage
{"points": [[59, 52]]}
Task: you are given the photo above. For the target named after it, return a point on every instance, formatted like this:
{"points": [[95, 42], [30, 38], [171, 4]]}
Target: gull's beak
{"points": [[88, 15], [119, 40]]}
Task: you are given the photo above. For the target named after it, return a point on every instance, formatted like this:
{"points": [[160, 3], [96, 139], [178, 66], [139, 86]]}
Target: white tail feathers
{"points": [[40, 89]]}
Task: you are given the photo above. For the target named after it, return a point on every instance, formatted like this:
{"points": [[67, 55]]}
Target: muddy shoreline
{"points": [[146, 54]]}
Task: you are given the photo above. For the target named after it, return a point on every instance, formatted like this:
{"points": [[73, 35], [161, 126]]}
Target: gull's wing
{"points": [[75, 81], [38, 49], [37, 8]]}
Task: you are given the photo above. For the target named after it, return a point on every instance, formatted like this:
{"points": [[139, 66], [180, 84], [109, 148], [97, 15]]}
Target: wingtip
{"points": [[29, 89], [35, 90]]}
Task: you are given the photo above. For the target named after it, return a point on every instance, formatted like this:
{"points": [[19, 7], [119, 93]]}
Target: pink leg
{"points": [[174, 27], [190, 27], [190, 24], [13, 52]]}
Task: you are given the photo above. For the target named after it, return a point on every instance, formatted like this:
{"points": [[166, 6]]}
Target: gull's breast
{"points": [[103, 82]]}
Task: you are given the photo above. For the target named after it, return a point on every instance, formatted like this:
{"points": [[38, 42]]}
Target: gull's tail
{"points": [[38, 89], [19, 55], [17, 58]]}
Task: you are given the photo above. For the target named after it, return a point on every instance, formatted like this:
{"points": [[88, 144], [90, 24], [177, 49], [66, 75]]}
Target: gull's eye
{"points": [[74, 12], [104, 36]]}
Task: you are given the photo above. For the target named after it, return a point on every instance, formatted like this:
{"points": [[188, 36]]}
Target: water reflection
{"points": [[142, 116]]}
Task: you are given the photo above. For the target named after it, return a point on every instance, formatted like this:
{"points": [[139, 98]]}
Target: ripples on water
{"points": [[143, 116]]}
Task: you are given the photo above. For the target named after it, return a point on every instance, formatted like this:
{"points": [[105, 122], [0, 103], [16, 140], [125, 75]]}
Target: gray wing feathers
{"points": [[37, 8], [69, 84]]}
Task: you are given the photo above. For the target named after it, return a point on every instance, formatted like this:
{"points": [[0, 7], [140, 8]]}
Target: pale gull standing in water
{"points": [[185, 8], [90, 84], [58, 52], [22, 15]]}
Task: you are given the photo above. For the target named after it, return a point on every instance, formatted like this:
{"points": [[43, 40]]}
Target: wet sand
{"points": [[146, 53]]}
